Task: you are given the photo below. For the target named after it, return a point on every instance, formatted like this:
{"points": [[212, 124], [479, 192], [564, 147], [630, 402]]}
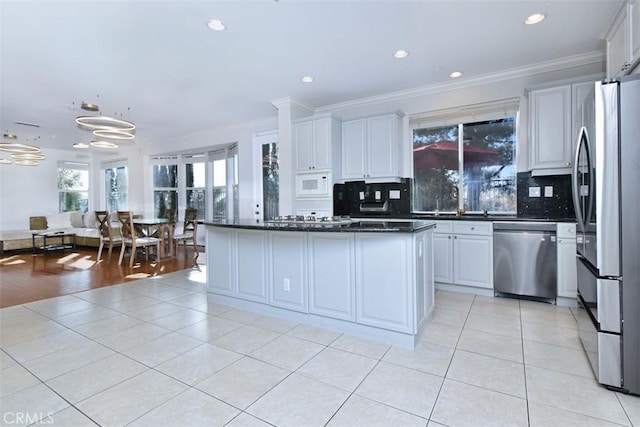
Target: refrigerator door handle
{"points": [[580, 218]]}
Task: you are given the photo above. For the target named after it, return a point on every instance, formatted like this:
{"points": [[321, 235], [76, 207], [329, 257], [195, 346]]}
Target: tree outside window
{"points": [[195, 187], [73, 188], [165, 193], [116, 188]]}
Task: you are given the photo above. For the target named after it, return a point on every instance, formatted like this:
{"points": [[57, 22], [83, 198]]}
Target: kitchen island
{"points": [[372, 279]]}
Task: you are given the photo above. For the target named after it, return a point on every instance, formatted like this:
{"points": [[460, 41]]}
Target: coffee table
{"points": [[61, 240]]}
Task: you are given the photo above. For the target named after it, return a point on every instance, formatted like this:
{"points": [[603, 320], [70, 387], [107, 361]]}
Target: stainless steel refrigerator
{"points": [[606, 193]]}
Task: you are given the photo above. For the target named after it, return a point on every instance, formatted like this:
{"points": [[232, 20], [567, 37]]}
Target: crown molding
{"points": [[513, 73]]}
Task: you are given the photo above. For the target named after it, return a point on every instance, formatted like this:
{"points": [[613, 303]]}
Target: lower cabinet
{"points": [[384, 297], [251, 256], [222, 260], [332, 275], [473, 260], [288, 270], [566, 256], [463, 253]]}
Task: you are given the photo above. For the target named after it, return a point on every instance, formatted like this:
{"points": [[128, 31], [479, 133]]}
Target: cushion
{"points": [[76, 219], [89, 220], [60, 220]]}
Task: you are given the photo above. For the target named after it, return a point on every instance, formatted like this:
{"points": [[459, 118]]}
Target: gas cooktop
{"points": [[301, 219]]}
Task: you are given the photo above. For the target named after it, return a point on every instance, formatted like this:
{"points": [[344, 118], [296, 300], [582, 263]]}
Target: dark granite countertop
{"points": [[480, 217], [369, 225]]}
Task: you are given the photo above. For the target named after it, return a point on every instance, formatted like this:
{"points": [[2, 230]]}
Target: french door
{"points": [[266, 176]]}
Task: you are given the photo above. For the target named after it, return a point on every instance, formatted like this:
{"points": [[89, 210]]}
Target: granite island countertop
{"points": [[376, 225]]}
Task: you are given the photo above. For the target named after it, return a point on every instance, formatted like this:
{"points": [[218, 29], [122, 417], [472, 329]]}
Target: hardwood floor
{"points": [[25, 277]]}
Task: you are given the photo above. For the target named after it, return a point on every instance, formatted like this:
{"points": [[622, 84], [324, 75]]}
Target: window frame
{"points": [[78, 166], [114, 165], [460, 117], [171, 160]]}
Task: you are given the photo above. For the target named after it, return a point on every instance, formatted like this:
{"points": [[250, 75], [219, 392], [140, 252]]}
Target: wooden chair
{"points": [[131, 239], [189, 230], [107, 235]]}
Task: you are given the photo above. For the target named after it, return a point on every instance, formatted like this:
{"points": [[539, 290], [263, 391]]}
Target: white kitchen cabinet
{"points": [[332, 275], [463, 253], [623, 40], [384, 282], [443, 252], [554, 121], [288, 270], [252, 265], [222, 261], [370, 147], [425, 291], [550, 127], [566, 257], [316, 142]]}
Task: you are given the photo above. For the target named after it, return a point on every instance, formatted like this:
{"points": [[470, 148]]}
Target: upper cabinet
{"points": [[317, 144], [370, 147], [553, 127], [623, 40]]}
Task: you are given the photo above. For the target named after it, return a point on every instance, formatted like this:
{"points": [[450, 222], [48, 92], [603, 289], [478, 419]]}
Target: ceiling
{"points": [[159, 65]]}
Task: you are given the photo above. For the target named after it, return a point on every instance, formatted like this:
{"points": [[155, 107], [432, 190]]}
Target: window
{"points": [[219, 189], [270, 180], [73, 187], [165, 188], [116, 188], [468, 163], [224, 183], [195, 184]]}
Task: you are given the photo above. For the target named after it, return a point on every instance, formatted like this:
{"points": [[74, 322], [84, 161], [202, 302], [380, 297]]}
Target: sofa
{"points": [[83, 225]]}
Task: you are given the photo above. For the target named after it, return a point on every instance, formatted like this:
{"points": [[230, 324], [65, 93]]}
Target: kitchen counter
{"points": [[375, 225], [374, 279]]}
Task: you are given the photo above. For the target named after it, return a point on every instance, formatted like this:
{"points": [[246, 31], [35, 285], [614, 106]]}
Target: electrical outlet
{"points": [[548, 191], [534, 191], [286, 285]]}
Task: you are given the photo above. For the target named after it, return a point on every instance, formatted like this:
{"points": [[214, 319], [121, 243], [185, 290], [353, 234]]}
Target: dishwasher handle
{"points": [[524, 226]]}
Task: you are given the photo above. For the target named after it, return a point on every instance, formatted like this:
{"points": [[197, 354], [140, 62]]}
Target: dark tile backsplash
{"points": [[560, 206]]}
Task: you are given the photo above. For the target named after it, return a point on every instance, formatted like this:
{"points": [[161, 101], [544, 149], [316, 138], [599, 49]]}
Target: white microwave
{"points": [[317, 185]]}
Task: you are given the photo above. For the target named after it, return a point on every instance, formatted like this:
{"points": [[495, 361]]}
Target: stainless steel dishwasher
{"points": [[524, 259]]}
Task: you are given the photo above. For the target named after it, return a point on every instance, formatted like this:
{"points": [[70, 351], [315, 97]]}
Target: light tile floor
{"points": [[154, 352]]}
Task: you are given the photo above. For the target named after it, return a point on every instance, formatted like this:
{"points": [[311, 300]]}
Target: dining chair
{"points": [[189, 230], [107, 235], [131, 239]]}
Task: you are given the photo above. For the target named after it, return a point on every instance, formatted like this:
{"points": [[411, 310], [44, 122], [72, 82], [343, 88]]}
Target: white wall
{"points": [[33, 190], [29, 191]]}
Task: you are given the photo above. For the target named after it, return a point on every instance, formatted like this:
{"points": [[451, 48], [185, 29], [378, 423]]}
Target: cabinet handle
{"points": [[473, 228], [568, 163], [449, 237]]}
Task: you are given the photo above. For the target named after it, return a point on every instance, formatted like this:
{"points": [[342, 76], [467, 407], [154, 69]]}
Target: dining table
{"points": [[162, 228]]}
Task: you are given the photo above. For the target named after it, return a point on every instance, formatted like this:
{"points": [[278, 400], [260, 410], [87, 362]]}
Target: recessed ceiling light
{"points": [[400, 54], [216, 25], [307, 79], [455, 74], [80, 145], [535, 18], [5, 162]]}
